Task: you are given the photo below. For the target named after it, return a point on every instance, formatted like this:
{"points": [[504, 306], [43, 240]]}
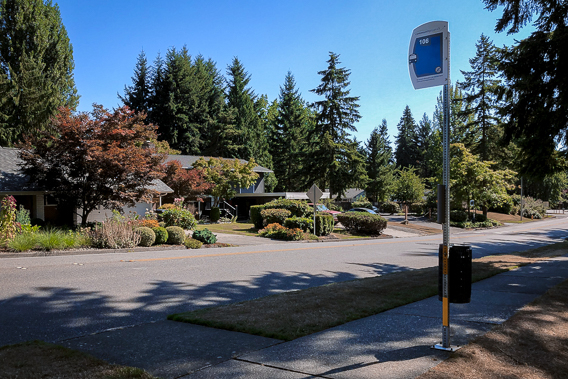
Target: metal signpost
{"points": [[429, 66], [314, 194]]}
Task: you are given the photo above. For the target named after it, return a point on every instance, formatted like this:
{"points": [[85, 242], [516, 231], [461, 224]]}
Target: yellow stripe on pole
{"points": [[445, 313]]}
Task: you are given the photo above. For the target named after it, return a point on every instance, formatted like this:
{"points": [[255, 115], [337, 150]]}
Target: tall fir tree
{"points": [[137, 95], [481, 86], [336, 162], [289, 134], [406, 152], [461, 130], [379, 162], [36, 68], [424, 142]]}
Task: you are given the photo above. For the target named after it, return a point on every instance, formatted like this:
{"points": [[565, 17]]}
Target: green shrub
{"points": [[255, 216], [390, 207], [298, 208], [324, 224], [480, 217], [147, 236], [362, 223], [176, 235], [23, 216], [417, 208], [469, 225], [206, 236], [191, 243], [162, 224], [161, 235], [215, 214], [458, 215], [271, 216], [303, 223], [23, 242], [362, 203], [179, 217], [278, 231]]}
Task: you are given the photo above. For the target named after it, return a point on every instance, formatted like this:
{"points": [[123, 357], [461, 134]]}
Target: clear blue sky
{"points": [[271, 38]]}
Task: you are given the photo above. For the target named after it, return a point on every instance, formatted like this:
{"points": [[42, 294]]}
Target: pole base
{"points": [[439, 346]]}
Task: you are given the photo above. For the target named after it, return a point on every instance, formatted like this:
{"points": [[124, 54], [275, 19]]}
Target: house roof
{"points": [[12, 180], [187, 161], [353, 193]]}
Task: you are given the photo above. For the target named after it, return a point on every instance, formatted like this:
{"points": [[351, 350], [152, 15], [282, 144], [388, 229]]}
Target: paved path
{"points": [[393, 344]]}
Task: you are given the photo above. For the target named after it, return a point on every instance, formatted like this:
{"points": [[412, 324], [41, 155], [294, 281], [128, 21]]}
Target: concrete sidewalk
{"points": [[393, 344]]}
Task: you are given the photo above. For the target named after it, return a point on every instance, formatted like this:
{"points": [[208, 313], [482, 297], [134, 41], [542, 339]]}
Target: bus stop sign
{"points": [[428, 55]]}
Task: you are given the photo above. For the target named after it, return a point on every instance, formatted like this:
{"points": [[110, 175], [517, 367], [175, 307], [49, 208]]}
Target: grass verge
{"points": [[291, 315], [37, 359]]}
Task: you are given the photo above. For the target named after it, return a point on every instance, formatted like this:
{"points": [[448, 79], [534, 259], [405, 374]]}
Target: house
{"points": [[41, 202]]}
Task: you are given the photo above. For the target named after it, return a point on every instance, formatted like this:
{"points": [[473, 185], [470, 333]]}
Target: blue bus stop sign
{"points": [[428, 55]]}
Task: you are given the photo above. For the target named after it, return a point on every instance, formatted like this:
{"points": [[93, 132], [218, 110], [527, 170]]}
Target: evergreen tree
{"points": [[36, 68], [288, 137], [423, 142], [242, 99], [536, 76], [481, 86], [460, 118], [336, 161], [379, 162], [159, 95], [406, 153], [137, 96]]}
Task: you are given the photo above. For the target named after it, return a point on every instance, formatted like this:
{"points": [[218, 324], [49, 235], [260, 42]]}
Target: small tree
{"points": [[409, 187], [227, 175], [474, 179], [94, 162], [7, 219], [186, 183]]}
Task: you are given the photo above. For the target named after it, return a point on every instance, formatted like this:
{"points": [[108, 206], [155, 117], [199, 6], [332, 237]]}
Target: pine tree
{"points": [[423, 142], [460, 118], [288, 137], [137, 96], [406, 152], [242, 99], [481, 86], [36, 68], [379, 162], [336, 161]]}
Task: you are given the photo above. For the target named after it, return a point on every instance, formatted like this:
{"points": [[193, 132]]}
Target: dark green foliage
{"points": [[206, 236], [335, 159], [406, 152], [271, 216], [36, 68], [390, 207], [215, 214], [379, 164], [179, 217], [417, 208], [482, 85], [298, 208], [424, 141], [176, 235], [362, 203], [288, 136], [191, 243], [147, 236], [137, 96], [458, 215], [304, 223], [362, 222], [255, 216], [37, 221], [324, 224], [161, 235]]}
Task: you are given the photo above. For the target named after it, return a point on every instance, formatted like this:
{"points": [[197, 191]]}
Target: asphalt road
{"points": [[61, 297]]}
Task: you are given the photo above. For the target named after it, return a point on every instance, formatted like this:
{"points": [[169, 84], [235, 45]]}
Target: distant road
{"points": [[61, 297]]}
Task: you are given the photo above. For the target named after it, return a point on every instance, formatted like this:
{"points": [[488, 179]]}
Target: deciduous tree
{"points": [[95, 160], [189, 184]]}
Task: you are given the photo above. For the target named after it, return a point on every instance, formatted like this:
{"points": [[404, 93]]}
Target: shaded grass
{"points": [[291, 315], [37, 359]]}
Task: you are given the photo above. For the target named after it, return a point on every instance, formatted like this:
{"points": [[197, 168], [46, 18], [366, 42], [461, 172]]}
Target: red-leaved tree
{"points": [[93, 160], [189, 184]]}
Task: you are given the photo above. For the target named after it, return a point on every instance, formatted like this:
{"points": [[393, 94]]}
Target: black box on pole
{"points": [[460, 268]]}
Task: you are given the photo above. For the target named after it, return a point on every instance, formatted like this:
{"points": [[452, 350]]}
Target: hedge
{"points": [[362, 222], [324, 224], [278, 231], [161, 235], [304, 223], [272, 216]]}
